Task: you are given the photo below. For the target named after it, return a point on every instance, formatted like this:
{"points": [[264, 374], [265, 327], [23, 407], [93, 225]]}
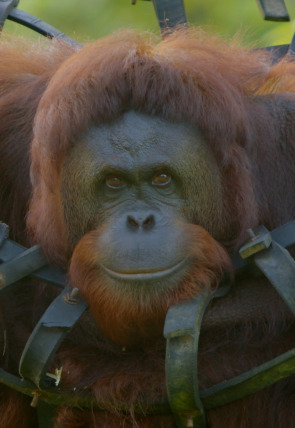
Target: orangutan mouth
{"points": [[144, 274]]}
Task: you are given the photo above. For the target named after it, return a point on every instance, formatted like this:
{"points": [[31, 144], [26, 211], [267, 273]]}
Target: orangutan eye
{"points": [[161, 179], [114, 182]]}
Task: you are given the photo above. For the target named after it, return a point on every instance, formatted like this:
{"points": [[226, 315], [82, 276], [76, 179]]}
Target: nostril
{"points": [[140, 221], [149, 222], [131, 221]]}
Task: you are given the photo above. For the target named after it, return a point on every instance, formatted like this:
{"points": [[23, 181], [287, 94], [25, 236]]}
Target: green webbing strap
{"points": [[182, 330], [276, 263], [249, 382], [54, 325], [218, 395], [51, 395], [56, 396], [170, 13]]}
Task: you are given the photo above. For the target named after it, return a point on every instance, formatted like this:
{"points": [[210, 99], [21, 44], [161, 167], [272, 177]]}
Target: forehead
{"points": [[137, 137]]}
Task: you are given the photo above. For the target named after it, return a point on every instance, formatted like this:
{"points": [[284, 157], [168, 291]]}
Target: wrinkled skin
{"points": [[129, 183], [142, 168]]}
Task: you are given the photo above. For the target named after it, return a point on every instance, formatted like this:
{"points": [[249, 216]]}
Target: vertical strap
{"points": [[4, 232], [46, 414], [182, 331], [278, 266], [274, 10], [274, 261], [291, 50], [170, 13]]}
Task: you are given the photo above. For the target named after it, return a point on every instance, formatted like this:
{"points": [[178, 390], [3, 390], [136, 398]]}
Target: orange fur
{"points": [[143, 311], [49, 96]]}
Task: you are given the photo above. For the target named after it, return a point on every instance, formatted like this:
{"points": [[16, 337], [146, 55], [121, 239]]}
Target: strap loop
{"points": [[182, 331], [275, 262], [55, 324]]}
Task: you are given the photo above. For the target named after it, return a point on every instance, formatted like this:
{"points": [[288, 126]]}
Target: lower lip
{"points": [[141, 276]]}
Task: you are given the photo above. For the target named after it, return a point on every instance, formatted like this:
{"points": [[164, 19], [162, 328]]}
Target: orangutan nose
{"points": [[139, 220]]}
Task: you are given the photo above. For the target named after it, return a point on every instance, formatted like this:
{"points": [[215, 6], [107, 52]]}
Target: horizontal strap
{"points": [[284, 235], [249, 382], [21, 266], [12, 253], [218, 395], [41, 27], [58, 397]]}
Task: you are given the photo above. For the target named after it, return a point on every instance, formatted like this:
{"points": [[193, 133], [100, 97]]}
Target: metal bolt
{"points": [[35, 399], [252, 234], [71, 297], [56, 376]]}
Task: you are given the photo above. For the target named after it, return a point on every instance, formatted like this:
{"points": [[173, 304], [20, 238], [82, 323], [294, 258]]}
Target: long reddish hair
{"points": [[189, 77]]}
